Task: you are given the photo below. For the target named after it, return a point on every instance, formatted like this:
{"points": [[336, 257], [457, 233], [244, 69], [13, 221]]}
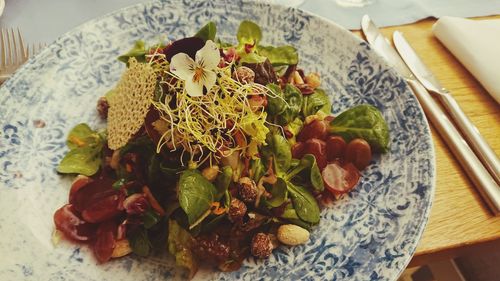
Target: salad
{"points": [[213, 152]]}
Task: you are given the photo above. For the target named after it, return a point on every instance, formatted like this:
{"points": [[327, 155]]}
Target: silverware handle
{"points": [[472, 135], [481, 178]]}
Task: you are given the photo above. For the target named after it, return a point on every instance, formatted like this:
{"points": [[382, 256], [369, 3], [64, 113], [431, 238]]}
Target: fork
{"points": [[13, 52]]}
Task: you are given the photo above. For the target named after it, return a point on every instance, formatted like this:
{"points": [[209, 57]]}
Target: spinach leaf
{"points": [[249, 33], [196, 194], [278, 194], [291, 215], [294, 98], [82, 160], [138, 52], [150, 219], [317, 101], [222, 182], [139, 242], [275, 104], [179, 245], [304, 203], [278, 149], [207, 32], [283, 55], [362, 121], [308, 164]]}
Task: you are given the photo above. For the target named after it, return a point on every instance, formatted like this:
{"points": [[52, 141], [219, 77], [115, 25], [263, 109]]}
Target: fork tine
{"points": [[15, 53], [9, 48], [4, 55], [24, 55]]}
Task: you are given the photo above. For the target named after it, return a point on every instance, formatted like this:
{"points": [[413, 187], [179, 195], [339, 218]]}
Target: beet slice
{"points": [[70, 223]]}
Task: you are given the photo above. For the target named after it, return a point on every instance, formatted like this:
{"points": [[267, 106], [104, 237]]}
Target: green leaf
{"points": [[82, 136], [283, 55], [249, 33], [258, 169], [138, 52], [83, 160], [278, 194], [310, 167], [362, 121], [222, 182], [275, 104], [317, 101], [179, 245], [304, 203], [295, 126], [251, 58], [150, 219], [139, 242], [196, 194], [207, 32], [294, 98], [278, 148], [119, 183]]}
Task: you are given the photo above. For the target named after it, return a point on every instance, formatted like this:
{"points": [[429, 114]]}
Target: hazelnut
{"points": [[247, 190], [262, 246], [237, 210], [291, 234], [244, 75], [210, 173], [102, 107]]}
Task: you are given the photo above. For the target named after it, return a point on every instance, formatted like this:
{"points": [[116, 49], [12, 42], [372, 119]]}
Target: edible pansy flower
{"points": [[197, 73]]}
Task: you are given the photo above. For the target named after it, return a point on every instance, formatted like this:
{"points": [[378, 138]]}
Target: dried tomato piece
{"points": [[69, 222], [88, 194], [340, 179], [104, 209], [105, 241]]}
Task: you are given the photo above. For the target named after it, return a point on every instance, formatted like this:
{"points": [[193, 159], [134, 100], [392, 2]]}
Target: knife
{"points": [[429, 81], [462, 151]]}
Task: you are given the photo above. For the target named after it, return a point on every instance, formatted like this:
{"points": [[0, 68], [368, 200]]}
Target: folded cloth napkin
{"points": [[476, 44]]}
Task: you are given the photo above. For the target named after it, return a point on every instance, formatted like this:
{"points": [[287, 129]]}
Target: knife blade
{"points": [[465, 125], [469, 161]]}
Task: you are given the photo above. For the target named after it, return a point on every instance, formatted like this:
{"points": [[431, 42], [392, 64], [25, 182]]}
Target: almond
{"points": [[292, 235]]}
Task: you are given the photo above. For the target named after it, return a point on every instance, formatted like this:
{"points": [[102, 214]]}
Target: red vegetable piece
{"points": [[359, 153], [340, 179], [72, 225], [298, 150], [92, 192], [104, 209], [316, 129], [317, 148], [189, 46], [105, 241], [335, 147], [79, 182]]}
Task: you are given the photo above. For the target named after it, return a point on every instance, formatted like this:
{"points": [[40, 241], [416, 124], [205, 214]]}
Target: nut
{"points": [[262, 246], [102, 107], [210, 173], [114, 163], [244, 75], [247, 190], [237, 210], [122, 248], [297, 79], [290, 234], [313, 80]]}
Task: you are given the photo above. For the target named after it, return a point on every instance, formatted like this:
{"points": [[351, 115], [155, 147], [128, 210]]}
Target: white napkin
{"points": [[476, 44]]}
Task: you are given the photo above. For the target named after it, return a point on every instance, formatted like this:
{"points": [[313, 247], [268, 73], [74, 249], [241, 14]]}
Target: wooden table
{"points": [[460, 221]]}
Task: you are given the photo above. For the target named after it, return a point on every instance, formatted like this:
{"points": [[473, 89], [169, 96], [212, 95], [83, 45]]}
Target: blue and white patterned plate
{"points": [[370, 234]]}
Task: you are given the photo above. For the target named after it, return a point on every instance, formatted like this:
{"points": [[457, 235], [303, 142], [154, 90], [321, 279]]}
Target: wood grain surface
{"points": [[460, 221]]}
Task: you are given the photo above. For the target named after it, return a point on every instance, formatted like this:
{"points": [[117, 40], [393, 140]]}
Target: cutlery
{"points": [[459, 147], [13, 52], [429, 81]]}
